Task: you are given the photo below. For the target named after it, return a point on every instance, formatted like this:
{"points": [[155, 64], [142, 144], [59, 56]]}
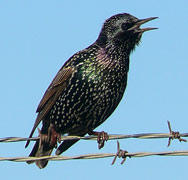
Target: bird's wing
{"points": [[54, 90], [56, 87]]}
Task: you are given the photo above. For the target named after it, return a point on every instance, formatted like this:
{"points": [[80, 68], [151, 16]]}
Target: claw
{"points": [[101, 137]]}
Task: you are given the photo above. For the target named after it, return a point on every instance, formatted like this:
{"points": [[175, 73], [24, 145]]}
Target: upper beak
{"points": [[142, 21]]}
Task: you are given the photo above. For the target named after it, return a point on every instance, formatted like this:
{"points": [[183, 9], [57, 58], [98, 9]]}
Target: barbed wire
{"points": [[120, 153], [111, 137], [171, 135]]}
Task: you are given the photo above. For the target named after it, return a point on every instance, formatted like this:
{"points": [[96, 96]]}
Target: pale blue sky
{"points": [[38, 36]]}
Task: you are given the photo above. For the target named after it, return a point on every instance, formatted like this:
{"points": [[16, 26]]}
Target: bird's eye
{"points": [[126, 26]]}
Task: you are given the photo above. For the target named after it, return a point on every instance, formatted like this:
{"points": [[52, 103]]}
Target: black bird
{"points": [[88, 88]]}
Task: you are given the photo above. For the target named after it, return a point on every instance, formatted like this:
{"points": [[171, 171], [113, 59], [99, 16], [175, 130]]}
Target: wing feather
{"points": [[54, 90]]}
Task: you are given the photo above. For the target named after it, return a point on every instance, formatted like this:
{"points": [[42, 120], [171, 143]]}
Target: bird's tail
{"points": [[66, 144], [39, 150]]}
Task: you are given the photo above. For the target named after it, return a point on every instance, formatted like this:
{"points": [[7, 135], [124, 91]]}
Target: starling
{"points": [[88, 87]]}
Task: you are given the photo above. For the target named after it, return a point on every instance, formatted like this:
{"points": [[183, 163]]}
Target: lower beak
{"points": [[143, 21]]}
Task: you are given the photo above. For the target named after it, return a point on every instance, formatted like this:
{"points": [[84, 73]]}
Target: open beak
{"points": [[140, 22]]}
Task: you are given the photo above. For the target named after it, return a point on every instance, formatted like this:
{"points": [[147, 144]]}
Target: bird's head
{"points": [[123, 30]]}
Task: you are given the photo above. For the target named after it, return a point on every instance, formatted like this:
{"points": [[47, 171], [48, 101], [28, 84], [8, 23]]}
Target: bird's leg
{"points": [[53, 136], [43, 138], [101, 137]]}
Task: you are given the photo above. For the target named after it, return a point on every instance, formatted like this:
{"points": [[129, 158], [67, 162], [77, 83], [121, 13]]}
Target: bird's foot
{"points": [[101, 137], [53, 136]]}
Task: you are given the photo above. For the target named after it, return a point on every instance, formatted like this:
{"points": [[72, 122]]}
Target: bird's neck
{"points": [[117, 46], [113, 56], [115, 52]]}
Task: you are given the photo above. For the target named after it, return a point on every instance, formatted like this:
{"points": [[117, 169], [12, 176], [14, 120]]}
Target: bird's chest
{"points": [[106, 84], [105, 79], [114, 84]]}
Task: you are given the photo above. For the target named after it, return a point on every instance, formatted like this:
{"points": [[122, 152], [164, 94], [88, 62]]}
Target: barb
{"points": [[174, 135], [120, 154]]}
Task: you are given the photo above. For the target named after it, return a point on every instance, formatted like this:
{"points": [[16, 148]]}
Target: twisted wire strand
{"points": [[111, 137], [94, 156]]}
